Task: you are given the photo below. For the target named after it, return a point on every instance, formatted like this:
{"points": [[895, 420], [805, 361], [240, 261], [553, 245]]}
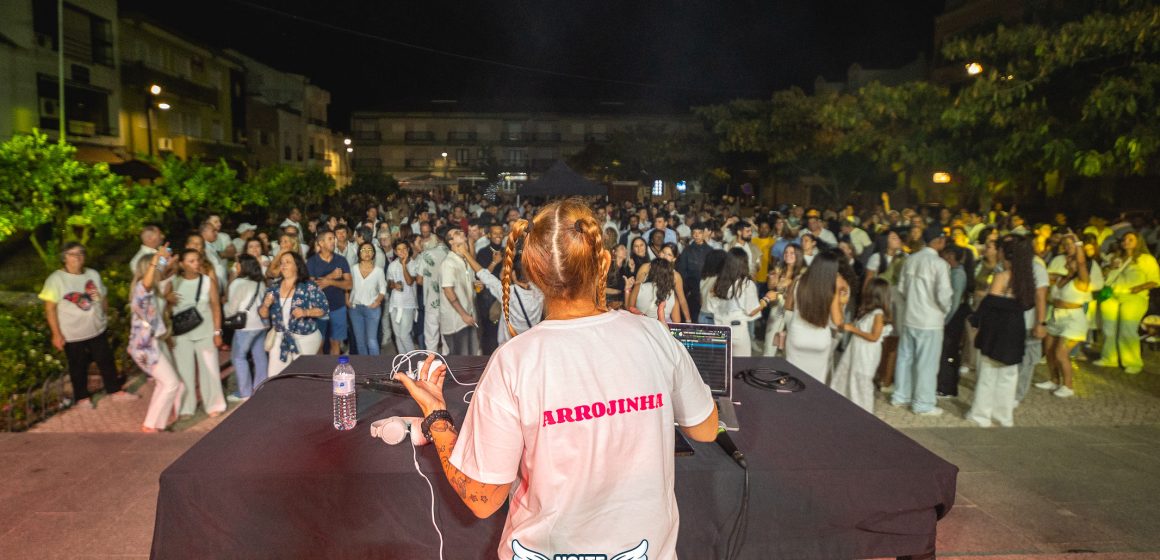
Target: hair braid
{"points": [[519, 231], [588, 227]]}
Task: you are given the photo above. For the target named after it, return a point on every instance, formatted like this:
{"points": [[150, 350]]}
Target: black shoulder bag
{"points": [[189, 319], [237, 321]]}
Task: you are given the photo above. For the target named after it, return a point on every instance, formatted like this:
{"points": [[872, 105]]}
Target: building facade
{"points": [[465, 145], [287, 123], [29, 76], [179, 98]]}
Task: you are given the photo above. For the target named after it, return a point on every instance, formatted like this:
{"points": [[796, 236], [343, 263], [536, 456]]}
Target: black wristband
{"points": [[435, 416]]}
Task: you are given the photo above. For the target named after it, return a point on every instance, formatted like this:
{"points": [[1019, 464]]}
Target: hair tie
{"points": [[528, 229]]}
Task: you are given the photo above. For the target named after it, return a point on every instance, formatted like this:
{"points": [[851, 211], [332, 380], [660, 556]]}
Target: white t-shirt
{"points": [[80, 317], [364, 291], [405, 298], [241, 293], [586, 440], [455, 274]]}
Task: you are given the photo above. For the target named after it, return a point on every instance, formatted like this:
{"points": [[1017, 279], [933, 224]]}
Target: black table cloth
{"points": [[276, 480]]}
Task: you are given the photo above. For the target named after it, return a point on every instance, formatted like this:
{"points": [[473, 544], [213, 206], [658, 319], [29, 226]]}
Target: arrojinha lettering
{"points": [[600, 409]]}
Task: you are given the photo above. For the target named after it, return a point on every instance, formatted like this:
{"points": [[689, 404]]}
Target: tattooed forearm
{"points": [[483, 499]]}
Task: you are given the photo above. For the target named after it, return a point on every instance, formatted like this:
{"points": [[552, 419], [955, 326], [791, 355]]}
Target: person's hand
{"points": [[376, 304], [1039, 331], [58, 341], [217, 342], [629, 281], [335, 274], [427, 391], [467, 318], [771, 296], [298, 313], [173, 297]]}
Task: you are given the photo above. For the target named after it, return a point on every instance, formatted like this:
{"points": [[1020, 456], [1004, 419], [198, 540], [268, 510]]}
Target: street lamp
{"points": [[974, 68], [941, 177], [350, 150], [346, 141], [154, 90]]}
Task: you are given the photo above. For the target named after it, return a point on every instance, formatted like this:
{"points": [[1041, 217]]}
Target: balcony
{"points": [[547, 137], [462, 137], [368, 136], [138, 77], [597, 138], [419, 137], [367, 164], [515, 137], [417, 164], [318, 122]]}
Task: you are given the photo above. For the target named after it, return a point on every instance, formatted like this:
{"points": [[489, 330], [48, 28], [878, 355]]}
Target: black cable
{"points": [[740, 525], [769, 379]]}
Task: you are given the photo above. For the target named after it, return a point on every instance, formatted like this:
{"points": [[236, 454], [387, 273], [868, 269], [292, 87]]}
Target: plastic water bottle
{"points": [[345, 401]]}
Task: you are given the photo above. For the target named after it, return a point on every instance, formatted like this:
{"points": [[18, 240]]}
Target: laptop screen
{"points": [[709, 347]]}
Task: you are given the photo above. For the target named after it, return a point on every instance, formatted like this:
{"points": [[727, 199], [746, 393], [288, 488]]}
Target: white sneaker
{"points": [[1063, 392], [936, 411], [1047, 385]]}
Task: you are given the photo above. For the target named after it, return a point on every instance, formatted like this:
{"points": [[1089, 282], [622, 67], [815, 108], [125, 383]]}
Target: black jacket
{"points": [[1001, 329]]}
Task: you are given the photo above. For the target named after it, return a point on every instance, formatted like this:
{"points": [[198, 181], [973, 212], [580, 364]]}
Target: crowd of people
{"points": [[874, 299]]}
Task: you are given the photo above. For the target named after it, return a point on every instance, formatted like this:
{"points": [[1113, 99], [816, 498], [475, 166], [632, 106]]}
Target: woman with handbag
{"points": [[146, 346], [1134, 273], [197, 334], [527, 301], [242, 316], [293, 305]]}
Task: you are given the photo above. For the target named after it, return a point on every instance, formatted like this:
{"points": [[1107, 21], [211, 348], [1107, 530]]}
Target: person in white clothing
{"points": [[365, 300], [815, 309], [430, 266], [732, 300], [244, 296], [528, 309], [551, 409], [151, 239], [925, 285], [854, 376], [403, 304], [195, 352]]}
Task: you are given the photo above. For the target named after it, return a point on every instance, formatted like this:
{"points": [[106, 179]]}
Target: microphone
{"points": [[730, 448]]}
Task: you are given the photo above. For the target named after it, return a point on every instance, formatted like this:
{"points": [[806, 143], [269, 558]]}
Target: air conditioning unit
{"points": [[165, 144], [49, 107]]}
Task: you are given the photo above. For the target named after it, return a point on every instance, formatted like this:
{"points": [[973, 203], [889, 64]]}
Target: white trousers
{"points": [[167, 392], [402, 320], [431, 337], [994, 393], [308, 344], [197, 364]]}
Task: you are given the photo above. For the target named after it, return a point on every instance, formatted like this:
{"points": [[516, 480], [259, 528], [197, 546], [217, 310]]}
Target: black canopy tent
{"points": [[561, 180]]}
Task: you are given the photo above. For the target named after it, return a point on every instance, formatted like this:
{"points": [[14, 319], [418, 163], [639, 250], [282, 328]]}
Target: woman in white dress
{"points": [[1074, 279], [733, 301], [817, 303], [854, 375]]}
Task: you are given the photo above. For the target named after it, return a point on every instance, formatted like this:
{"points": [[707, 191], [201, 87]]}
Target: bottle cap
{"points": [[344, 359]]}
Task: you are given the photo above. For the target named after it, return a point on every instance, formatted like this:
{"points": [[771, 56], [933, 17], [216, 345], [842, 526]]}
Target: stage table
{"points": [[276, 480]]}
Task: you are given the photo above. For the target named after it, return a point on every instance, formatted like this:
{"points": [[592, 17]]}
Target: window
{"points": [[658, 188], [463, 156], [218, 131], [287, 154], [102, 37]]}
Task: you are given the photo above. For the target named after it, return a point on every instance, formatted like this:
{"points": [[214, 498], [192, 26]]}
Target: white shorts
{"points": [[1070, 324]]}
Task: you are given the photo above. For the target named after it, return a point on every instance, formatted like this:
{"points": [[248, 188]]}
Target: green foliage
{"points": [[44, 185], [377, 185], [650, 151], [280, 188], [195, 189], [27, 358]]}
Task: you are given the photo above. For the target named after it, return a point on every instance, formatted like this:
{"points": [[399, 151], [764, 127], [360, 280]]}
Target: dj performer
{"points": [[573, 419]]}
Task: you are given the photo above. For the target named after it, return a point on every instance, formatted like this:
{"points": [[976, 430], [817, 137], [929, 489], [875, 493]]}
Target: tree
{"points": [[1073, 95], [44, 185], [281, 188], [196, 189]]}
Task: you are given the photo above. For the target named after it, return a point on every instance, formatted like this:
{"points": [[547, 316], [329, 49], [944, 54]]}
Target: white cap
{"points": [[246, 226]]}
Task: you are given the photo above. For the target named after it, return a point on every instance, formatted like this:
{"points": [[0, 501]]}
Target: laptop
{"points": [[711, 350]]}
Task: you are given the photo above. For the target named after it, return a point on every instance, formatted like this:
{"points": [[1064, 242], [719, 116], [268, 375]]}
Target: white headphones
{"points": [[395, 429]]}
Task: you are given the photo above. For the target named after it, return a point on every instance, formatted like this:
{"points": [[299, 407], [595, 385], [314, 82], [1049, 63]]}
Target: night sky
{"points": [[674, 54]]}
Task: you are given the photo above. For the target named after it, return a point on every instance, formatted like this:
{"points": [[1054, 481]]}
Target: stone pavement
{"points": [[1077, 479]]}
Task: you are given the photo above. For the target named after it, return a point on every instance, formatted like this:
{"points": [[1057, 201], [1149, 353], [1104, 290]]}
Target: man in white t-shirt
{"points": [[75, 306], [429, 267], [222, 244], [151, 239]]}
